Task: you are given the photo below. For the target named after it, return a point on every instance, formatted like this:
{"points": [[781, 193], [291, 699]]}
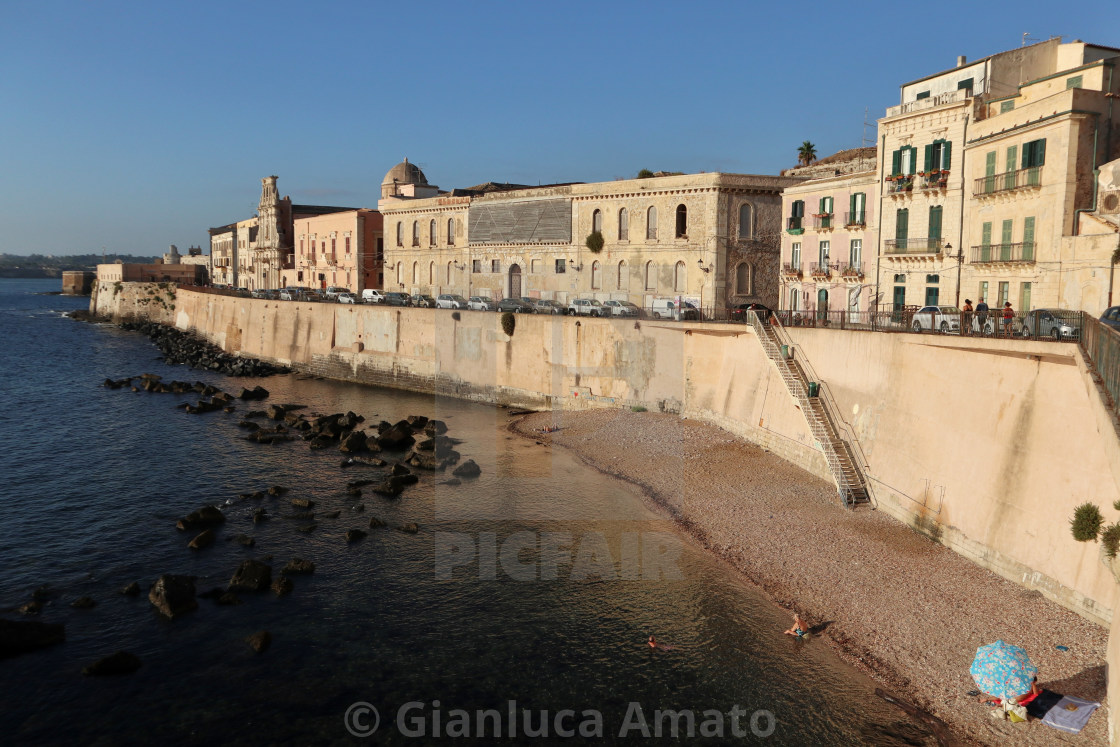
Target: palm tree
{"points": [[807, 153]]}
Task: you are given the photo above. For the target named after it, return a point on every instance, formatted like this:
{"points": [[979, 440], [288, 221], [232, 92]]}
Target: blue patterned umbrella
{"points": [[1003, 670]]}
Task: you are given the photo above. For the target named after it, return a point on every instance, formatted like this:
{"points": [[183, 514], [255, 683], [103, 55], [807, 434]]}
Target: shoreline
{"points": [[900, 608]]}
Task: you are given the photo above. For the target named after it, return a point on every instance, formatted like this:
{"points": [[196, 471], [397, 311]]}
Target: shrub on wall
{"points": [[508, 323], [1086, 522], [595, 242], [1110, 538]]}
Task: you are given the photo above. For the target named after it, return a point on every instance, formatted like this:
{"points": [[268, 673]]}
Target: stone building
{"points": [[341, 249], [711, 238]]}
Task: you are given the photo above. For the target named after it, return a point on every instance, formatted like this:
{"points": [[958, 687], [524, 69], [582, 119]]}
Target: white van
{"points": [[671, 308], [372, 295]]}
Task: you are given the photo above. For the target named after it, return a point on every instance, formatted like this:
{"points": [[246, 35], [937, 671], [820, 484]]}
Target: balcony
{"points": [[941, 99], [1008, 181], [852, 271], [793, 225], [823, 270], [900, 184], [790, 270], [934, 180], [914, 246], [855, 220], [999, 253], [822, 221]]}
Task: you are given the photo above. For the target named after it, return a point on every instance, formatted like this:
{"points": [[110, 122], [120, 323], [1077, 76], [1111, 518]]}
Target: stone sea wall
{"points": [[983, 445]]}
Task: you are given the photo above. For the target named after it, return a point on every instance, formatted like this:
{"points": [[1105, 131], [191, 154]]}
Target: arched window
{"points": [[743, 279], [794, 297], [415, 273], [448, 273], [623, 225], [431, 273], [596, 275], [597, 221], [651, 275], [651, 223], [399, 272], [432, 233], [451, 232], [682, 222], [400, 234], [415, 233], [746, 221], [623, 276], [679, 278]]}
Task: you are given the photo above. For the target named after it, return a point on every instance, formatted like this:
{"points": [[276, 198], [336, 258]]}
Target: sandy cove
{"points": [[900, 607]]}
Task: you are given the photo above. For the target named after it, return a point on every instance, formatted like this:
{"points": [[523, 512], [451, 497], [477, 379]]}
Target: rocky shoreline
{"points": [[903, 609]]}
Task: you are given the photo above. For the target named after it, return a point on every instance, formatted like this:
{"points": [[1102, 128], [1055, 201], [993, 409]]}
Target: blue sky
{"points": [[132, 126]]}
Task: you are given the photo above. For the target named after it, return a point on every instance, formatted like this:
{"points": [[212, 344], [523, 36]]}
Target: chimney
{"points": [[961, 59]]}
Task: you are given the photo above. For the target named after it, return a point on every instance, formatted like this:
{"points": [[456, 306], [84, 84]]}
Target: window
{"points": [[922, 95], [476, 266], [623, 276], [901, 227], [682, 222], [746, 221], [965, 85], [651, 224], [795, 256], [451, 232], [596, 275], [1028, 239], [1005, 240], [1006, 106], [561, 268], [431, 233], [1034, 153], [796, 213], [938, 156], [495, 265], [983, 290], [1024, 297], [933, 292], [904, 160], [399, 272], [415, 273], [986, 241], [448, 281], [415, 233], [743, 279], [679, 278], [857, 207], [431, 273], [651, 276], [597, 221], [623, 225], [899, 291], [347, 240], [855, 254], [822, 254], [1004, 292], [935, 226], [794, 298], [313, 246], [400, 234], [1074, 82], [334, 245]]}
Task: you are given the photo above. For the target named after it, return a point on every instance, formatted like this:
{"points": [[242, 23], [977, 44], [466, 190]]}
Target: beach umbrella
{"points": [[1003, 670]]}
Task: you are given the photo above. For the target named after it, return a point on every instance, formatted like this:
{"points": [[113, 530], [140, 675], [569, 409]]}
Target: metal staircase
{"points": [[837, 452]]}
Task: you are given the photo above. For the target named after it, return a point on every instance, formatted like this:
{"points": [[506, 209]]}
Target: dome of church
{"points": [[404, 173]]}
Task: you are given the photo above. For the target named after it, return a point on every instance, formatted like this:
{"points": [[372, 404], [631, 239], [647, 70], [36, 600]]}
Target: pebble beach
{"points": [[900, 607]]}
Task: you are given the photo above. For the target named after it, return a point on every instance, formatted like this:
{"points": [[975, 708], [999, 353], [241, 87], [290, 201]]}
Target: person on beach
{"points": [[981, 314], [966, 317], [799, 629]]}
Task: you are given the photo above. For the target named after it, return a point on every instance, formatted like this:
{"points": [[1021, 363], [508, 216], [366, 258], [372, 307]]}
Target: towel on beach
{"points": [[1041, 705], [1062, 717]]}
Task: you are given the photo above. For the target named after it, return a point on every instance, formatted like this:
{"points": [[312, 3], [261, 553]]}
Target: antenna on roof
{"points": [[1027, 37], [864, 142]]}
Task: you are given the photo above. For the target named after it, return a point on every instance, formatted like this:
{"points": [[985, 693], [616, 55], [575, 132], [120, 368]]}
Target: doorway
{"points": [[515, 281]]}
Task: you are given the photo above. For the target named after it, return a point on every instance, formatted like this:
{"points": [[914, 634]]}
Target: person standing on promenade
{"points": [[966, 317], [981, 314], [1008, 316]]}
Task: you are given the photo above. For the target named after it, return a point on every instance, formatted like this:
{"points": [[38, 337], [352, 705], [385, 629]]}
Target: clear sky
{"points": [[132, 126]]}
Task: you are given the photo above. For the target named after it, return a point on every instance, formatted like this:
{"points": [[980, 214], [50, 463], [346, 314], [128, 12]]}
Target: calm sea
{"points": [[530, 585]]}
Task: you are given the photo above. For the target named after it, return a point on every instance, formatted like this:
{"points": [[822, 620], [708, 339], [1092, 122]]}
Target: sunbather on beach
{"points": [[799, 629]]}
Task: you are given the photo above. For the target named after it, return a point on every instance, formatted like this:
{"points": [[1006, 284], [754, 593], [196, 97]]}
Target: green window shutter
{"points": [[1040, 152], [852, 208], [935, 222], [1008, 225], [990, 164], [1012, 157], [929, 159], [896, 162], [1074, 82], [901, 226], [913, 159], [946, 155], [986, 235], [1006, 106], [1028, 238]]}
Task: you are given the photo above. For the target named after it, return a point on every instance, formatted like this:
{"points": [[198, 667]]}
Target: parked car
{"points": [[620, 308], [423, 301], [480, 303], [1056, 323], [450, 301], [398, 299], [548, 306], [739, 313], [372, 295], [1111, 317], [586, 307], [309, 294], [346, 298], [243, 292], [515, 305], [259, 293], [669, 308], [333, 292], [291, 293], [944, 319]]}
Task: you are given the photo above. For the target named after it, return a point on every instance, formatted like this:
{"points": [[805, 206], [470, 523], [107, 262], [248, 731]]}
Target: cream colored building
{"points": [[223, 255], [342, 249], [709, 238]]}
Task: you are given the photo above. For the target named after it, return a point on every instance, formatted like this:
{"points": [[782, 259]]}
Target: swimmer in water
{"points": [[799, 629], [659, 646]]}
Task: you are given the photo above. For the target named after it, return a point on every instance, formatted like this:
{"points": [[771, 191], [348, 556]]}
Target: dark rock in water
{"points": [[355, 535], [43, 593], [307, 528], [33, 607], [203, 540], [391, 487], [251, 575], [417, 422], [452, 481], [331, 515], [213, 593], [435, 428], [260, 641], [207, 516], [250, 425], [83, 603], [410, 528], [256, 414], [303, 503], [356, 441], [229, 599], [277, 490], [298, 566], [275, 412], [282, 586], [467, 469], [245, 540], [228, 409], [321, 442], [22, 636], [355, 492], [260, 515], [359, 507], [375, 522], [383, 426], [400, 469], [173, 595], [257, 392], [121, 662], [131, 590], [299, 516], [179, 347], [396, 437], [359, 484]]}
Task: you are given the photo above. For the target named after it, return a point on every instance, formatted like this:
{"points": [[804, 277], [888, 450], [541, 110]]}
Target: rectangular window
{"points": [[334, 245], [1028, 239], [1006, 106], [1011, 164], [1034, 153], [561, 268], [922, 95], [823, 253], [1074, 82], [347, 244], [855, 253], [935, 226], [795, 256], [965, 85], [986, 242], [1005, 241], [495, 265], [476, 265], [901, 227], [1004, 293], [1024, 297], [858, 209], [983, 291]]}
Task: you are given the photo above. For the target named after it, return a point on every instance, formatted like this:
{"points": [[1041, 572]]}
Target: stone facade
{"points": [[711, 239], [337, 249], [223, 256]]}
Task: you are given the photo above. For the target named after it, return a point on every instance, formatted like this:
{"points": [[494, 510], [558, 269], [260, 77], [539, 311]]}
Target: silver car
{"points": [[943, 319], [480, 303], [586, 307], [620, 308], [1055, 323], [451, 301]]}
